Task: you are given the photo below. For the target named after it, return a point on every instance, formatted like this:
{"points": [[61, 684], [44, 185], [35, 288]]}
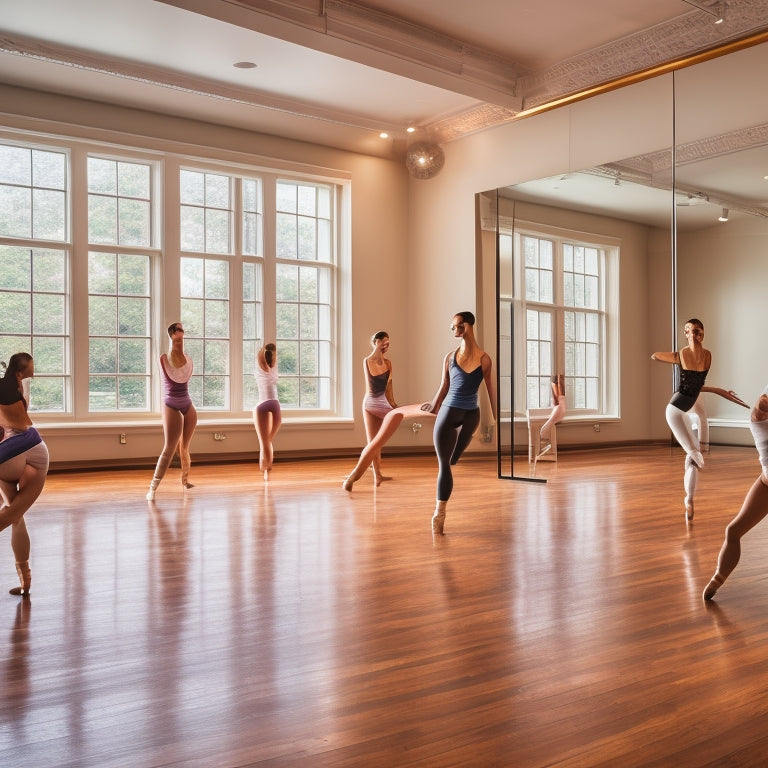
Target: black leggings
{"points": [[453, 431]]}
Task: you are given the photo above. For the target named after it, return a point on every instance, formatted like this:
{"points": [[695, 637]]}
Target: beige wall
{"points": [[379, 225], [414, 244]]}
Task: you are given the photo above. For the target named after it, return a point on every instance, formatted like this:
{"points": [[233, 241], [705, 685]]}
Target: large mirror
{"points": [[583, 255]]}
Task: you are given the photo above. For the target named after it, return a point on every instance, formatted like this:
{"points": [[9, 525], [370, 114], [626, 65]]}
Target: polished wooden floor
{"points": [[299, 625]]}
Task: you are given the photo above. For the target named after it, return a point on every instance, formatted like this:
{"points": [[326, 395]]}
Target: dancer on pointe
{"points": [[754, 507], [379, 398], [457, 407], [267, 416], [23, 463], [179, 414], [694, 362]]}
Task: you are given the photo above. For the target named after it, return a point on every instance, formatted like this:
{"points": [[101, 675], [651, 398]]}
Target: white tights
{"points": [[681, 426]]}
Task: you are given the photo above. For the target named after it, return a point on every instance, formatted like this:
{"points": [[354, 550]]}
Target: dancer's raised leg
{"points": [[753, 510], [371, 451]]}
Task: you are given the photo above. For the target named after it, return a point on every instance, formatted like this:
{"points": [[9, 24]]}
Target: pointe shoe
{"points": [[150, 494], [25, 577], [697, 459], [438, 519], [544, 447], [715, 583], [688, 509], [348, 483]]}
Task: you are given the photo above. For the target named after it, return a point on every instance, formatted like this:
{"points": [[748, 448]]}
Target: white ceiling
{"points": [[337, 72]]}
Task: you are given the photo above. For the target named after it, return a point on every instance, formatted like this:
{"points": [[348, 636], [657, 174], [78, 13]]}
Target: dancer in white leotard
{"points": [[23, 463], [754, 507], [694, 363], [267, 416], [379, 398]]}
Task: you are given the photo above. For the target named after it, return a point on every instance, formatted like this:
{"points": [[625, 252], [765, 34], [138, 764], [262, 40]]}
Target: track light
{"points": [[724, 215]]}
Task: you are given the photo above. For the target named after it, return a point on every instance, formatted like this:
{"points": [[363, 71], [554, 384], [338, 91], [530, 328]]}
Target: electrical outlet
{"points": [[219, 436], [415, 427], [596, 427], [123, 438]]}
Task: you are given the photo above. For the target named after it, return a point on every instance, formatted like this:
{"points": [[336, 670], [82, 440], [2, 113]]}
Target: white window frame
{"points": [[513, 295], [166, 254]]}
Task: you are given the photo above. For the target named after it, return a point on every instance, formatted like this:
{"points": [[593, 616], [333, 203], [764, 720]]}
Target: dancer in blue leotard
{"points": [[457, 407], [179, 414]]}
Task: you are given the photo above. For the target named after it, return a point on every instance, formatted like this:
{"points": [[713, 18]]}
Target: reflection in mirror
{"points": [[562, 242], [722, 235]]}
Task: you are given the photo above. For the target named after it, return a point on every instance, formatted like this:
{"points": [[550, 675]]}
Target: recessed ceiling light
{"points": [[383, 135], [410, 129], [244, 65]]}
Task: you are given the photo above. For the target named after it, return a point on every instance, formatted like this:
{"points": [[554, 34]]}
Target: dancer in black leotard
{"points": [[457, 408], [179, 414], [379, 398], [694, 363], [23, 463]]}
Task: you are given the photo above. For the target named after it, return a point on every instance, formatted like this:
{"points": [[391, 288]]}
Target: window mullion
{"points": [[79, 285], [270, 249]]}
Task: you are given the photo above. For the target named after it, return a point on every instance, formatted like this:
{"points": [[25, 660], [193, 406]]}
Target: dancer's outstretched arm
{"points": [[728, 394]]}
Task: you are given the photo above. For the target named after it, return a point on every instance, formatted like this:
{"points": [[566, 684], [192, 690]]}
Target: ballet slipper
{"points": [[25, 577], [438, 519], [714, 584], [697, 459], [352, 478], [688, 509]]}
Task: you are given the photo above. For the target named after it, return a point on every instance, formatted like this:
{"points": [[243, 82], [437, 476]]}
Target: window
{"points": [[94, 271], [119, 286], [35, 274], [303, 279], [563, 305]]}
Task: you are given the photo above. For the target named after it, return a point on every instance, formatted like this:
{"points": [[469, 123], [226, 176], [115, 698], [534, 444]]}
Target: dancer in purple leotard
{"points": [[179, 414], [379, 398], [23, 463], [267, 416]]}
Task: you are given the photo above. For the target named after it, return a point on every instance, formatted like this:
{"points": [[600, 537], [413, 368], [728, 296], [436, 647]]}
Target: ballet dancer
{"points": [[694, 362], [23, 463], [267, 416], [559, 407], [457, 407], [754, 507], [379, 398], [179, 414]]}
